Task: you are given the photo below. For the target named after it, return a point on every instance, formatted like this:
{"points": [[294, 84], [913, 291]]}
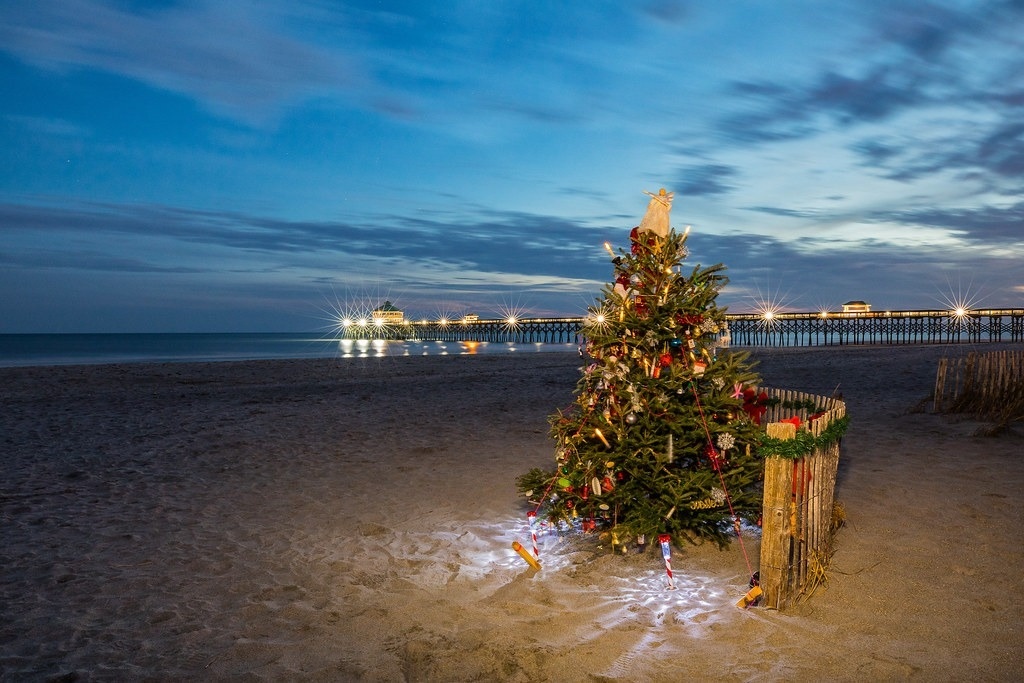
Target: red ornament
{"points": [[638, 243], [689, 319], [665, 359], [716, 458]]}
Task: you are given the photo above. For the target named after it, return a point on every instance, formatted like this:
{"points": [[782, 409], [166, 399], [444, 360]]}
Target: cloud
{"points": [[911, 58], [90, 260], [705, 180], [764, 268], [496, 243], [988, 151], [987, 226], [233, 57]]}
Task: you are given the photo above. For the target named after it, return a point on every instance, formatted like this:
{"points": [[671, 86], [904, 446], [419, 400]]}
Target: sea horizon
{"points": [[103, 348]]}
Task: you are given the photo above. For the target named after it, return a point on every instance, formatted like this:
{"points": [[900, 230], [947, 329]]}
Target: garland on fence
{"points": [[809, 404], [804, 443]]}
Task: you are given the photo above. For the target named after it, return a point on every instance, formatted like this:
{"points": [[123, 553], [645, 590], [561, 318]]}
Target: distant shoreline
{"points": [[86, 349], [39, 350]]}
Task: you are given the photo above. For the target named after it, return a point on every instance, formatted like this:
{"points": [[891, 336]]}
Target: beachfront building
{"points": [[856, 307], [389, 315]]}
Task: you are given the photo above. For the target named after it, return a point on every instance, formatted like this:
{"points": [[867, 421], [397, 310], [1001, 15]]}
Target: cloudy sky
{"points": [[248, 166]]}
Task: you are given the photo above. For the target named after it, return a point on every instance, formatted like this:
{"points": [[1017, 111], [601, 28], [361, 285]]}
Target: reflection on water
{"points": [[379, 348]]}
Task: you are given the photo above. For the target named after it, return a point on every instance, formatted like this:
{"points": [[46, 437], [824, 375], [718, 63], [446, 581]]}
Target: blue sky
{"points": [[248, 166]]}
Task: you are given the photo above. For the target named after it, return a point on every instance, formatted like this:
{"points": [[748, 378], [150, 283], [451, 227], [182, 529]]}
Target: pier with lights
{"points": [[768, 328], [877, 327]]}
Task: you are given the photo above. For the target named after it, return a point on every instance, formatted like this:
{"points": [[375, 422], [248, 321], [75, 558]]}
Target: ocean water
{"points": [[17, 350]]}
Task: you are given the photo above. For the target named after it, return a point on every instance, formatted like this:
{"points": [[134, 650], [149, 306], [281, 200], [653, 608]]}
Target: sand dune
{"points": [[351, 519]]}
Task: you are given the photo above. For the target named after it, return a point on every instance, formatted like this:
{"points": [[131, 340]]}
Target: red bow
{"points": [[755, 405]]}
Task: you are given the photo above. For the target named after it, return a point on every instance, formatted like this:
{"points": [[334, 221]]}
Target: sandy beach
{"points": [[351, 520]]}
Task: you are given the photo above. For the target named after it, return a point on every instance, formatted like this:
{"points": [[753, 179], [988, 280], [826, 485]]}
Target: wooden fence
{"points": [[799, 494], [984, 384]]}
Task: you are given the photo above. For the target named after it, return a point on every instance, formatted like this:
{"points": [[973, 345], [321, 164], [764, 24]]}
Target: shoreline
{"points": [[351, 519], [459, 349], [32, 350]]}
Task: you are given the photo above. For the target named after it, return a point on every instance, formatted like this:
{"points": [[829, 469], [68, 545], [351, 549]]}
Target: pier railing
{"points": [[745, 329], [883, 327]]}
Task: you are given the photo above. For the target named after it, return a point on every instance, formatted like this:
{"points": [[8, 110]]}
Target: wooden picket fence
{"points": [[799, 498], [989, 386]]}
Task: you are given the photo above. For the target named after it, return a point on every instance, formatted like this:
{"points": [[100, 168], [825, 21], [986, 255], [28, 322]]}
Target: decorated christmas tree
{"points": [[660, 439]]}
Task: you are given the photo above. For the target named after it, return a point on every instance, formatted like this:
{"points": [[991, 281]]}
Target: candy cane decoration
{"points": [[531, 517], [525, 554], [666, 551]]}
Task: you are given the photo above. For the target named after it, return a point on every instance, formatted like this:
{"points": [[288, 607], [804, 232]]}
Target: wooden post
{"points": [[798, 500], [940, 385], [776, 532]]}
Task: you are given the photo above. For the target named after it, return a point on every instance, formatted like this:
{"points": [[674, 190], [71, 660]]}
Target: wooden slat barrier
{"points": [[980, 383], [799, 495]]}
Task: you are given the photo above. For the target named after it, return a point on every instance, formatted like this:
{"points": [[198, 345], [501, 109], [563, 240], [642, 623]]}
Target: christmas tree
{"points": [[660, 439]]}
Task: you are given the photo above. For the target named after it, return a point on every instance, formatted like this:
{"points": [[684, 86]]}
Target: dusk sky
{"points": [[249, 166]]}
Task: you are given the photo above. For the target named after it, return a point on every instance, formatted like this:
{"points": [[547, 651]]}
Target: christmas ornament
{"points": [[726, 441], [755, 405], [525, 554], [666, 552], [718, 495], [531, 518], [751, 599], [656, 219], [716, 459]]}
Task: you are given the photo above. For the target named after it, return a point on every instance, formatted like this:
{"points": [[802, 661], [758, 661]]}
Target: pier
{"points": [[746, 329], [878, 328]]}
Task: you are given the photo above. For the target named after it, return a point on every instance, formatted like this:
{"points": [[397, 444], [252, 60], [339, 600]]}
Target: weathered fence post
{"points": [[799, 496], [776, 526]]}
